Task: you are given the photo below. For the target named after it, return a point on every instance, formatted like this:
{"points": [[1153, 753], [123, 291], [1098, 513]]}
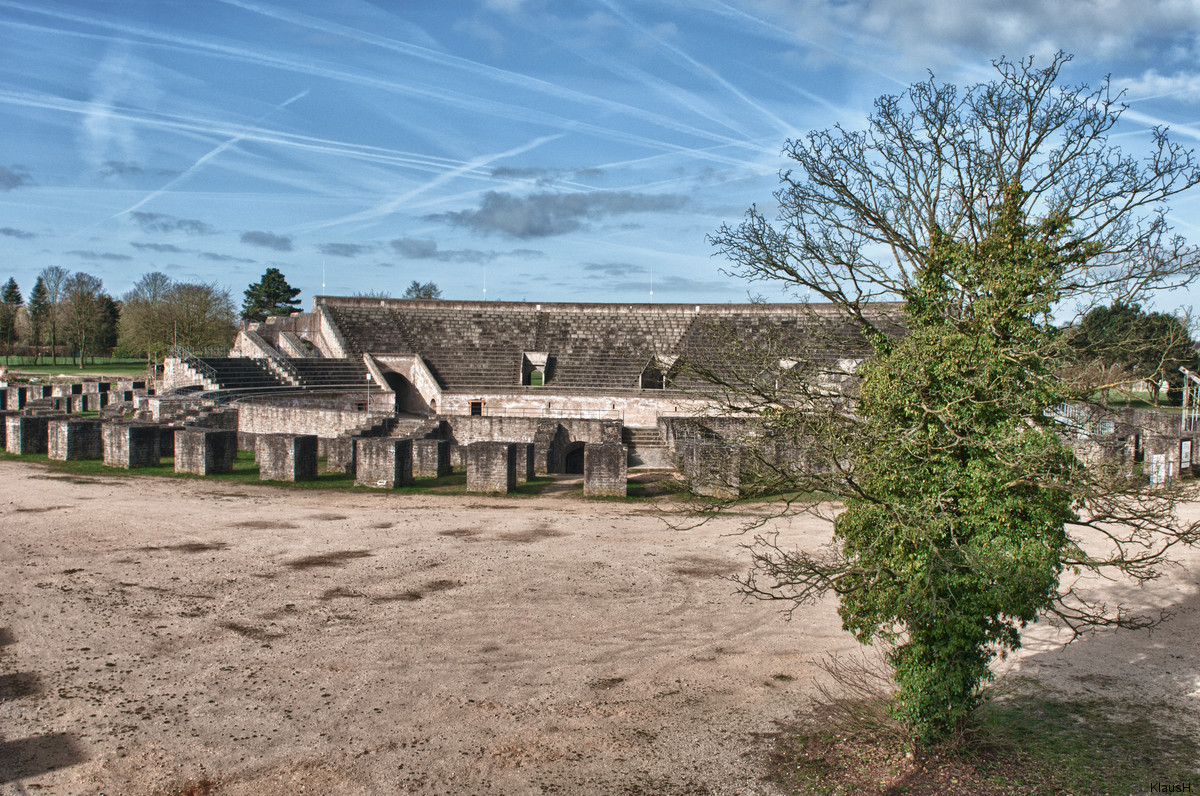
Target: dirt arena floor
{"points": [[188, 637]]}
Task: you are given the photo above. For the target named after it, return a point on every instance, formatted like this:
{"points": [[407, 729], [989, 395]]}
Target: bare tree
{"points": [[54, 278]]}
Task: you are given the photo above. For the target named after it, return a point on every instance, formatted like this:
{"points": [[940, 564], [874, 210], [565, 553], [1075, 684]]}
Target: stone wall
{"points": [[641, 410], [338, 453], [329, 418], [712, 469], [431, 458], [205, 451], [383, 462], [605, 470], [286, 457], [72, 439], [491, 467]]}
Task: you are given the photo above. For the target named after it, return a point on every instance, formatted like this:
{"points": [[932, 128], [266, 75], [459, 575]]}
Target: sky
{"points": [[539, 150]]}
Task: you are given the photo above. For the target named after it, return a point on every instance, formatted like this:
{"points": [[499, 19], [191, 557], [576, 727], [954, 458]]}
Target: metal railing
{"points": [[192, 360]]}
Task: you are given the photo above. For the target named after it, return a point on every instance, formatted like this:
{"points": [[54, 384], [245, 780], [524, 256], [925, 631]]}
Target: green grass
{"points": [[125, 368], [245, 471], [1032, 742]]}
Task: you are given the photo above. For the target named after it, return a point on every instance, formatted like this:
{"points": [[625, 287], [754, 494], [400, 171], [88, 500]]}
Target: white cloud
{"points": [[120, 81], [1181, 85], [934, 33]]}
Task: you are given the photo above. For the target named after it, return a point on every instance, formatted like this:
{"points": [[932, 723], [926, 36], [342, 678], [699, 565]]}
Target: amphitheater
{"points": [[558, 377]]}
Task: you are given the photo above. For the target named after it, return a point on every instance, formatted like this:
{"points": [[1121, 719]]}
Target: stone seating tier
{"points": [[477, 347], [238, 373]]}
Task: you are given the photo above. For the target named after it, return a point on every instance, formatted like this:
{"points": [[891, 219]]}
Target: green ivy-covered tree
{"points": [[948, 236], [271, 295]]}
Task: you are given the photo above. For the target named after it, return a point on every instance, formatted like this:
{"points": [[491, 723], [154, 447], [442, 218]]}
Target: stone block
{"points": [[712, 469], [71, 439], [129, 445], [26, 434], [383, 462], [246, 440], [492, 467], [205, 451], [286, 457], [431, 458], [338, 453], [605, 470]]}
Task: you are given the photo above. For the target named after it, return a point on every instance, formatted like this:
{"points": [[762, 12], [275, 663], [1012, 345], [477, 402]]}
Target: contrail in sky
{"points": [[391, 205], [217, 150]]}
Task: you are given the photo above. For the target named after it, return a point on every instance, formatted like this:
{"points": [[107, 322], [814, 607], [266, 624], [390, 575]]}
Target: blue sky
{"points": [[508, 149]]}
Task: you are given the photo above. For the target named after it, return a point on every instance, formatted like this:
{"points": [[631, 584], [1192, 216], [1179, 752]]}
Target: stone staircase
{"points": [[646, 447]]}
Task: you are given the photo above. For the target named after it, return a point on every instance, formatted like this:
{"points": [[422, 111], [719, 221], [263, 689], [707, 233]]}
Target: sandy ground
{"points": [[188, 637]]}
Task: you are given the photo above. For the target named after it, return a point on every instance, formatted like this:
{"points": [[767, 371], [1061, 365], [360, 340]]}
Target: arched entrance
{"points": [[573, 459]]}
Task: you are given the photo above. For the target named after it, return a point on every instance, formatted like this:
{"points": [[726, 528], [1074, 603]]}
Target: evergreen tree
{"points": [[427, 290], [39, 310], [10, 305], [271, 295]]}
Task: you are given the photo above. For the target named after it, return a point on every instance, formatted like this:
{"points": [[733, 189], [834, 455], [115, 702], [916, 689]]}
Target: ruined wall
{"points": [[338, 453], [326, 418], [177, 376], [431, 458], [642, 410]]}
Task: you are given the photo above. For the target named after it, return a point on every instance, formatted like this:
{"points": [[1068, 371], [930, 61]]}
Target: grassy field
{"points": [[23, 367]]}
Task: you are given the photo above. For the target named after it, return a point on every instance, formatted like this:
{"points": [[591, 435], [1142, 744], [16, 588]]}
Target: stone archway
{"points": [[573, 458]]}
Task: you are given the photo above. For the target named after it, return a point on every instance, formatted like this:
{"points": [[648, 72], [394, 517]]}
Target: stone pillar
{"points": [[431, 458], [383, 462], [205, 451], [17, 398], [130, 445], [4, 415], [286, 457], [605, 470], [72, 439], [26, 433], [492, 467]]}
